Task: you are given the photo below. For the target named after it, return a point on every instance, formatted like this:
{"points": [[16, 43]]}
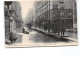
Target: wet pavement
{"points": [[35, 38]]}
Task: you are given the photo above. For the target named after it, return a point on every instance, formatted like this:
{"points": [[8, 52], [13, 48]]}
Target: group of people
{"points": [[55, 27], [61, 29]]}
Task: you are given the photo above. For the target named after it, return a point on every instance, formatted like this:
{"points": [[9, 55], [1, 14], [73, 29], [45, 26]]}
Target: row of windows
{"points": [[60, 14], [42, 3], [44, 9]]}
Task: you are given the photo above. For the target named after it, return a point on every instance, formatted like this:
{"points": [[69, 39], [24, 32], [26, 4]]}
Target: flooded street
{"points": [[35, 38]]}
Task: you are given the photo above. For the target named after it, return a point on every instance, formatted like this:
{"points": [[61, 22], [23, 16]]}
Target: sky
{"points": [[26, 6]]}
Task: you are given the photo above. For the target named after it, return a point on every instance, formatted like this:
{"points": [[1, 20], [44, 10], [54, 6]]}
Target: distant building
{"points": [[30, 16]]}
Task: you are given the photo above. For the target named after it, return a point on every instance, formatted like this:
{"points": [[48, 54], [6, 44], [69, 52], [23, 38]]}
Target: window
{"points": [[55, 6], [70, 14], [62, 14]]}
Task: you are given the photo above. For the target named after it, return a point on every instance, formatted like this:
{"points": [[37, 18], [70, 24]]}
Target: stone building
{"points": [[17, 8], [47, 11], [7, 18], [12, 14]]}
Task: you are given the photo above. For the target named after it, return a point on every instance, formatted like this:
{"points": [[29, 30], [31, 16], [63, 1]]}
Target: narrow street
{"points": [[35, 38]]}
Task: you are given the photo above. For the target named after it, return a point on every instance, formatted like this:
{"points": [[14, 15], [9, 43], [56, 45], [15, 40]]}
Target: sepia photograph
{"points": [[40, 23]]}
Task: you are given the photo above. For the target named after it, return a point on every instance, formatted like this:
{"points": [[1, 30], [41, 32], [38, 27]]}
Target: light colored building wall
{"points": [[18, 17], [15, 16], [17, 8]]}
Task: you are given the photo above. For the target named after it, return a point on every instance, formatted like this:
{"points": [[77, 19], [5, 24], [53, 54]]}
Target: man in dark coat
{"points": [[62, 28], [11, 36], [58, 28]]}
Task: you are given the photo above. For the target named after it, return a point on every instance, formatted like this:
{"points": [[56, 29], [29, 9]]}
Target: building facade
{"points": [[12, 17], [7, 18], [17, 8], [74, 15], [50, 11]]}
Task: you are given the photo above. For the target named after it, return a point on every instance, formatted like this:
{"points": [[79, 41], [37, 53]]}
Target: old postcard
{"points": [[39, 23]]}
